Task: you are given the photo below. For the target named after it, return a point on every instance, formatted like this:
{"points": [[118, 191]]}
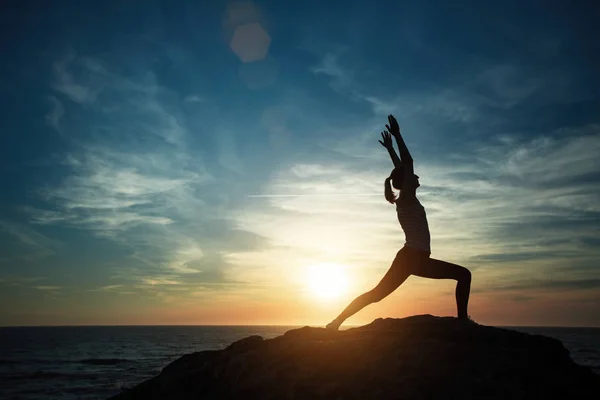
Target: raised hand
{"points": [[394, 130], [393, 126], [387, 140]]}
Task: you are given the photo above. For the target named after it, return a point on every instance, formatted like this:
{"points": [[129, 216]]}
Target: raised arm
{"points": [[408, 185], [394, 129], [387, 143]]}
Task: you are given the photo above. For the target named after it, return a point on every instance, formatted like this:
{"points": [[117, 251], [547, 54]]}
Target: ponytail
{"points": [[389, 193]]}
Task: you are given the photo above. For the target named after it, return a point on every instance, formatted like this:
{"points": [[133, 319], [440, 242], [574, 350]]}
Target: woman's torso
{"points": [[413, 219]]}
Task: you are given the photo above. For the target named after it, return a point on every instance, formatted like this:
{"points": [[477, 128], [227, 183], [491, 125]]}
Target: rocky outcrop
{"points": [[420, 357]]}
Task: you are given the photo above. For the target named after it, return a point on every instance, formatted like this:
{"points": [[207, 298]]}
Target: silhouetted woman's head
{"points": [[397, 176], [396, 179]]}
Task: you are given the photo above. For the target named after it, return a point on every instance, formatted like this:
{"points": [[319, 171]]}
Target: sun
{"points": [[327, 280]]}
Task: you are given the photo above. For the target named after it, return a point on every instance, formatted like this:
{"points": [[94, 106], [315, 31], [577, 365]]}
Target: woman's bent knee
{"points": [[465, 275]]}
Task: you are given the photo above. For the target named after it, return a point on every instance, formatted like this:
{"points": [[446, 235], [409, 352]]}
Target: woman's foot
{"points": [[333, 325], [467, 319]]}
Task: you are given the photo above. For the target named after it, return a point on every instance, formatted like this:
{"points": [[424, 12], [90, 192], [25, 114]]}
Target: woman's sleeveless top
{"points": [[412, 218]]}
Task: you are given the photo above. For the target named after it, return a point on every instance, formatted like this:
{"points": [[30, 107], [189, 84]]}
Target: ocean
{"points": [[97, 362]]}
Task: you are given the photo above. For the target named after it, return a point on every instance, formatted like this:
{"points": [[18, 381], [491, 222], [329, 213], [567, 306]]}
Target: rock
{"points": [[420, 357]]}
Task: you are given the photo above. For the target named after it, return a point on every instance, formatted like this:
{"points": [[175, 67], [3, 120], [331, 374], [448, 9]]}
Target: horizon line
{"points": [[266, 325], [312, 195]]}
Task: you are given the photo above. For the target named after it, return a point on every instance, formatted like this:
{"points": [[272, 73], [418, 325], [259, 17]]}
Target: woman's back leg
{"points": [[394, 277]]}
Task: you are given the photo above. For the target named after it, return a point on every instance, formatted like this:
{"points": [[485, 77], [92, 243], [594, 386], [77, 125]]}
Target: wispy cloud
{"points": [[184, 255], [44, 287], [133, 180], [494, 211], [108, 288], [55, 115], [18, 280], [485, 90], [111, 190], [68, 85], [33, 244], [342, 79], [112, 187], [193, 98], [172, 180], [228, 157]]}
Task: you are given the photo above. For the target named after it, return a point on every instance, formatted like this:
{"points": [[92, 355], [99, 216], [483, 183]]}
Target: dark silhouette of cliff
{"points": [[420, 357]]}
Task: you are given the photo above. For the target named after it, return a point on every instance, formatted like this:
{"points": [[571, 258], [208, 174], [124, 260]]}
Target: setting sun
{"points": [[327, 281]]}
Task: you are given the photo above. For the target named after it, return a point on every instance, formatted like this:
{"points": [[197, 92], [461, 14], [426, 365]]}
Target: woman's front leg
{"points": [[438, 269]]}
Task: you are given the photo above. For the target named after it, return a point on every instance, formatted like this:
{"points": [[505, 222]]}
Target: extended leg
{"points": [[437, 269], [395, 276]]}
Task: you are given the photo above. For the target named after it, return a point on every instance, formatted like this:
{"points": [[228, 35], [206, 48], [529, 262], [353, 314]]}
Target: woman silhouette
{"points": [[413, 258]]}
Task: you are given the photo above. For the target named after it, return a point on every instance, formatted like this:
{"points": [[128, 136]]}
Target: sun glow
{"points": [[327, 281]]}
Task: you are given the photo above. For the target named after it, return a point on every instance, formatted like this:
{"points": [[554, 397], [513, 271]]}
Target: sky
{"points": [[208, 162]]}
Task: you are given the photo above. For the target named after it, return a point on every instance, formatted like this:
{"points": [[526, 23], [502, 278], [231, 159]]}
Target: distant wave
{"points": [[89, 361], [42, 375], [104, 361], [29, 361]]}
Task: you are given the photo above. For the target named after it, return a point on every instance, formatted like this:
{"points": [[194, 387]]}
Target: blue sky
{"points": [[186, 162]]}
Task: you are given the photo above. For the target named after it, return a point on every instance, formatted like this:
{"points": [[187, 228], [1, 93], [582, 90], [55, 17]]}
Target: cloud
{"points": [[34, 244], [110, 191], [193, 98], [532, 181], [331, 226], [17, 280], [160, 281], [184, 256], [480, 96], [513, 210], [545, 284], [53, 117], [342, 79], [456, 104], [176, 185], [68, 85], [329, 66], [227, 156], [108, 288], [123, 176], [132, 178], [47, 287], [508, 84]]}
